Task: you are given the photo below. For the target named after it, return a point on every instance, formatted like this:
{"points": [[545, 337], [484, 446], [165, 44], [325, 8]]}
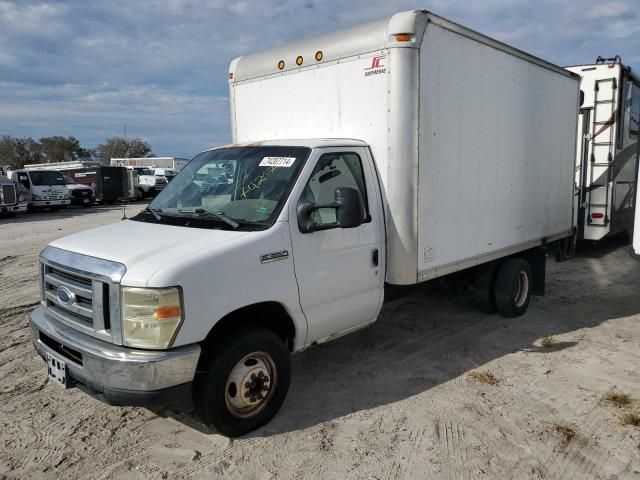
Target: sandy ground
{"points": [[393, 401]]}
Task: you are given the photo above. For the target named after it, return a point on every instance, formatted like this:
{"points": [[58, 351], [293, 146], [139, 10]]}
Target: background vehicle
{"points": [[47, 187], [166, 173], [79, 194], [385, 165], [148, 183], [11, 200], [174, 163], [607, 150]]}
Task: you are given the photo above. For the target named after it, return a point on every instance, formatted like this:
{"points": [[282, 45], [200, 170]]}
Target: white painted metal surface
{"points": [[496, 151], [474, 140]]}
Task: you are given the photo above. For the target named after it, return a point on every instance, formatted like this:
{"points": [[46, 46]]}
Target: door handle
{"points": [[374, 257]]}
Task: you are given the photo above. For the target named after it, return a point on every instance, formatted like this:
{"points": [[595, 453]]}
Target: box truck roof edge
{"points": [[370, 37]]}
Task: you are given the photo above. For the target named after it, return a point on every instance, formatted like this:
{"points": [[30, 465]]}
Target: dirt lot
{"points": [[393, 401]]}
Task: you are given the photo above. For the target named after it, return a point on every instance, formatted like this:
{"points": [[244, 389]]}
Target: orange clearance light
{"points": [[299, 60], [319, 55], [171, 311], [403, 37], [281, 64]]}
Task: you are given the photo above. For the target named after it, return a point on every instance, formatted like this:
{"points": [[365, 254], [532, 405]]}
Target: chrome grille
{"points": [[8, 196], [81, 309], [82, 292]]}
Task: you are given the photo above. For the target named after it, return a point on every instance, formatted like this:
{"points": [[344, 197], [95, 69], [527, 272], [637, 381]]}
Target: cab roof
{"points": [[299, 142]]}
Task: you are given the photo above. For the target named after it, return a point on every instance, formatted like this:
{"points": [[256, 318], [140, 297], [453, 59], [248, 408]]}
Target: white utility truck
{"points": [[47, 187], [607, 148], [391, 153]]}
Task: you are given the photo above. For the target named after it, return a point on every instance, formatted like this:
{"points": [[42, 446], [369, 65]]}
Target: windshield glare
{"points": [[44, 177], [245, 184]]}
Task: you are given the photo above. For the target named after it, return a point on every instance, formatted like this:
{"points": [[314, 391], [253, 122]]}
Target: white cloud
{"points": [[84, 68]]}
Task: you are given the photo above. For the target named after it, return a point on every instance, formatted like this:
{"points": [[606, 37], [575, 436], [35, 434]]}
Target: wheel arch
{"points": [[270, 315]]}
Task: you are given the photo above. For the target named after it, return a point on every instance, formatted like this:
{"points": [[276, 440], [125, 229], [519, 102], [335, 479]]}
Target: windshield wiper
{"points": [[154, 212], [202, 211]]}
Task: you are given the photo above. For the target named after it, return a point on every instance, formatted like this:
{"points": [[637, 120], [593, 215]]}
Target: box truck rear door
{"points": [[339, 270]]}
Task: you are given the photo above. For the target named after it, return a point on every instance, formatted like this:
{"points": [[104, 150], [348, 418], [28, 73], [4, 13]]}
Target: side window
{"points": [[332, 171], [23, 178]]}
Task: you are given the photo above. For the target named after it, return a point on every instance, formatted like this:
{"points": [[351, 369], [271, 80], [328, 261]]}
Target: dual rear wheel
{"points": [[504, 287]]}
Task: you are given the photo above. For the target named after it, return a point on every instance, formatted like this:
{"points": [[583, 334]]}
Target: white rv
{"points": [[361, 158], [607, 148]]}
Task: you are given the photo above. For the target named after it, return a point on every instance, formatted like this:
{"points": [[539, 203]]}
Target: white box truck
{"points": [[607, 150], [391, 153]]}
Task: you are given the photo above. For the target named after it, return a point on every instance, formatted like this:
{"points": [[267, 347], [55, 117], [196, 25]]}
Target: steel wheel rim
{"points": [[523, 289], [250, 385]]}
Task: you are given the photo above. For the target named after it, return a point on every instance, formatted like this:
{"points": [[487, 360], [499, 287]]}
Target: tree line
{"points": [[18, 152]]}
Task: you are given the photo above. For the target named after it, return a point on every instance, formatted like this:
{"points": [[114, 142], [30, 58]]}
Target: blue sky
{"points": [[88, 67]]}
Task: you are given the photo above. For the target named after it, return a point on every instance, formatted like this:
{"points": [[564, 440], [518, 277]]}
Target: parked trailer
{"points": [[421, 149], [607, 148]]}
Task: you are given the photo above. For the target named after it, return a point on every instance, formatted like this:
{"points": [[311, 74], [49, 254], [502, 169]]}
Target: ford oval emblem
{"points": [[65, 295]]}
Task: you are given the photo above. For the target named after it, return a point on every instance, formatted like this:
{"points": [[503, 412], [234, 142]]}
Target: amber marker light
{"points": [[318, 56], [299, 60], [169, 311], [403, 37], [281, 64]]}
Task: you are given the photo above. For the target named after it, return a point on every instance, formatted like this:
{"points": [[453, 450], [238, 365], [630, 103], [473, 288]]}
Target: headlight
{"points": [[20, 198], [150, 316]]}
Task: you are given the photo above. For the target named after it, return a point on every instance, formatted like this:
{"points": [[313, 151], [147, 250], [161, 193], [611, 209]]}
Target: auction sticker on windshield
{"points": [[277, 162]]}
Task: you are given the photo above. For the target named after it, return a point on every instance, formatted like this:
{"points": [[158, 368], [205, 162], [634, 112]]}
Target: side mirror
{"points": [[349, 211]]}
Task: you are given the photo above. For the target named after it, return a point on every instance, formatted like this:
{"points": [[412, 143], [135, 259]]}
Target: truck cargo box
{"points": [[474, 140]]}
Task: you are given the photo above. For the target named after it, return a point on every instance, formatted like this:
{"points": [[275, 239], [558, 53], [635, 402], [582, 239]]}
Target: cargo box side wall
{"points": [[342, 99], [497, 150]]}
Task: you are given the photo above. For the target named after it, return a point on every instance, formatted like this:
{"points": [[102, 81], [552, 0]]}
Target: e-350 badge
{"points": [[274, 256]]}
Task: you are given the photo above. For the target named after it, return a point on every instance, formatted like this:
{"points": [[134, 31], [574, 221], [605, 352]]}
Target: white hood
{"points": [[147, 246]]}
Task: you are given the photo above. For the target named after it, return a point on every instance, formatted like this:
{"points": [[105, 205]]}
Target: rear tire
{"points": [[514, 281], [245, 383], [483, 287]]}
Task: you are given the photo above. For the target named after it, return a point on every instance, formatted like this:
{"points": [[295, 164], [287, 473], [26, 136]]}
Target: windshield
{"points": [[246, 185], [44, 177]]}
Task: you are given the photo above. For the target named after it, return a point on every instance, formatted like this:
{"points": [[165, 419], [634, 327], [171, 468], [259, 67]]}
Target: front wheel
{"points": [[246, 380]]}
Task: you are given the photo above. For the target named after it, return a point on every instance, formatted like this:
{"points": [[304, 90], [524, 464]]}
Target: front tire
{"points": [[245, 383], [514, 281]]}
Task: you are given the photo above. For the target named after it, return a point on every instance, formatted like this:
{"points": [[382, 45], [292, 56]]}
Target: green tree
{"points": [[118, 147], [62, 149], [17, 152]]}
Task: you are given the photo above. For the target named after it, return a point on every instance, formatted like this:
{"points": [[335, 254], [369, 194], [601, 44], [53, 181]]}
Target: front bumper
{"points": [[19, 208], [83, 200], [123, 376], [50, 203]]}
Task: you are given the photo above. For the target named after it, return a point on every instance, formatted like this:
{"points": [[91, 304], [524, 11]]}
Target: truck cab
{"points": [[47, 187], [138, 321], [148, 183], [12, 199]]}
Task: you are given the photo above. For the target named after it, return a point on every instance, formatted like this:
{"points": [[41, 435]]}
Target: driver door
{"points": [[340, 271]]}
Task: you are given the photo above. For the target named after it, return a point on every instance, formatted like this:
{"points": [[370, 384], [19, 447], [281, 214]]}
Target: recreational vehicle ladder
{"points": [[602, 151]]}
